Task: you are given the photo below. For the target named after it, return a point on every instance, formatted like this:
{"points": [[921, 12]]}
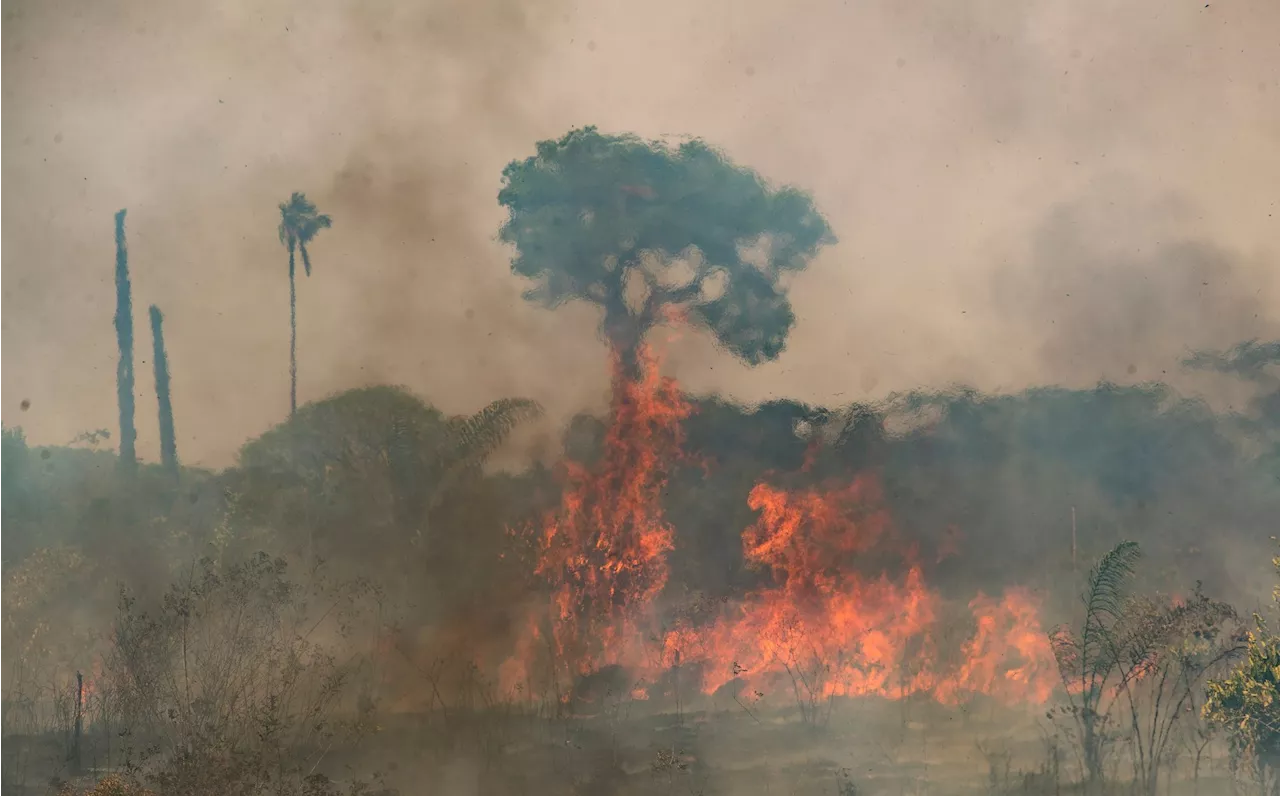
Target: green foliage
{"points": [[1089, 660], [1133, 461], [300, 222], [1247, 702], [367, 465], [15, 464], [591, 213], [1249, 360], [1104, 596], [470, 439], [1131, 440], [1166, 649]]}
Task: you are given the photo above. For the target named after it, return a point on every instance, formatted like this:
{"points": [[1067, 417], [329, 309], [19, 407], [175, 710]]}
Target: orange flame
{"points": [[844, 632], [830, 619], [1009, 657], [604, 550]]}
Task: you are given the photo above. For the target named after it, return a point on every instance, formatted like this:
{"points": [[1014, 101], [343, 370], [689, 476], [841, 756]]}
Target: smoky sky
{"points": [[979, 162]]}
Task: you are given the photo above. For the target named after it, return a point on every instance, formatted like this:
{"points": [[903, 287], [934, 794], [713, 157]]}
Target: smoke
{"points": [[947, 145], [1112, 291], [396, 120]]}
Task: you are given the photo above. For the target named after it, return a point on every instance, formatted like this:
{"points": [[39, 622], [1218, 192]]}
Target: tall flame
{"points": [[603, 551]]}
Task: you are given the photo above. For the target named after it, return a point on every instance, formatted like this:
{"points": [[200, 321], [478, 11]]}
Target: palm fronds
{"points": [[1105, 595], [300, 222], [475, 437], [472, 439]]}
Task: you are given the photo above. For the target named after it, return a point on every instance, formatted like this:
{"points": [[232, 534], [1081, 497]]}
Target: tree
{"points": [[648, 232], [376, 459], [1246, 704], [1145, 657], [168, 442], [299, 224], [1089, 661], [1165, 650], [15, 463], [124, 340]]}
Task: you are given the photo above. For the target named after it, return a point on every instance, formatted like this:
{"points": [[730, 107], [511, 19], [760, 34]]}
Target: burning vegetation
{"points": [[843, 609], [700, 597]]}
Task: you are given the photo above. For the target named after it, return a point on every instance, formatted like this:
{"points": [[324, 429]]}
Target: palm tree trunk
{"points": [[164, 400], [293, 338], [124, 339]]}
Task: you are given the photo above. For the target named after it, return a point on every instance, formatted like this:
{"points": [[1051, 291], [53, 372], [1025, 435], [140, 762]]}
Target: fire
{"points": [[604, 550], [846, 633], [829, 620], [89, 689], [1008, 657]]}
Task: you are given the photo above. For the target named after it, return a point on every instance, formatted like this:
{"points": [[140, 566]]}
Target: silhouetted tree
{"points": [[299, 224], [1089, 658], [124, 339], [168, 443], [646, 231], [376, 459]]}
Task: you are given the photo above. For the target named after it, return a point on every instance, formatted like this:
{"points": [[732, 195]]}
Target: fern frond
{"points": [[474, 438], [1107, 579], [1105, 603]]}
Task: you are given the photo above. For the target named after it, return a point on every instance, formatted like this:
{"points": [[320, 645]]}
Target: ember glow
{"points": [[830, 619]]}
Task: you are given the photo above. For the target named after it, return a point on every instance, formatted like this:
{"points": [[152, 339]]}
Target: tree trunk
{"points": [[1195, 773], [1092, 754], [293, 338], [124, 340], [79, 725], [168, 441], [625, 333]]}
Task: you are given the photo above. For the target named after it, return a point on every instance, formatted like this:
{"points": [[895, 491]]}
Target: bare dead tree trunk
{"points": [[79, 725]]}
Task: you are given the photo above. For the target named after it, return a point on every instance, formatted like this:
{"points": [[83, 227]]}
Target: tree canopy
{"points": [[300, 222], [367, 458], [644, 229]]}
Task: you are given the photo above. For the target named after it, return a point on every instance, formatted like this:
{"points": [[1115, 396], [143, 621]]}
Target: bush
{"points": [[223, 689]]}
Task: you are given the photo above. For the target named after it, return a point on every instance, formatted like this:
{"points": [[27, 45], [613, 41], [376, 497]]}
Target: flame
{"points": [[819, 620], [90, 681], [604, 549], [841, 632], [1008, 657], [828, 620]]}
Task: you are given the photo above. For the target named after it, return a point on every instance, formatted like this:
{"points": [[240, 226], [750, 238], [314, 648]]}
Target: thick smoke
{"points": [[940, 141], [1112, 291]]}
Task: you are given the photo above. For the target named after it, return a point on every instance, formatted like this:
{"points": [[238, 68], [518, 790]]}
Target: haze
{"points": [[1024, 192]]}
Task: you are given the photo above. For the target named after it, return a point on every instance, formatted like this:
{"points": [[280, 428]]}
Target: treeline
{"points": [[376, 476]]}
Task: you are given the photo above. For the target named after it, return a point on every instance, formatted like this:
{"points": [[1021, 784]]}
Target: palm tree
{"points": [[164, 400], [124, 339], [299, 224]]}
